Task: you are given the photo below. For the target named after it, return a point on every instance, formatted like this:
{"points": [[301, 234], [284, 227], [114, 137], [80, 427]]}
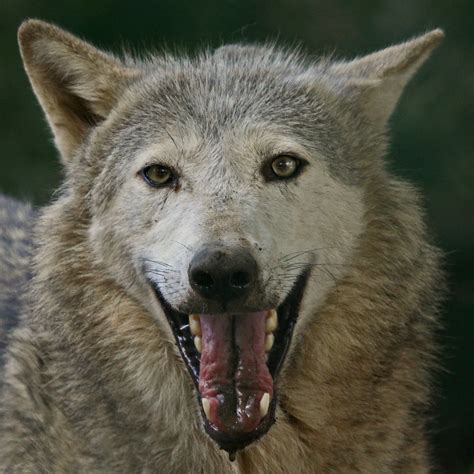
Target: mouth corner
{"points": [[232, 440]]}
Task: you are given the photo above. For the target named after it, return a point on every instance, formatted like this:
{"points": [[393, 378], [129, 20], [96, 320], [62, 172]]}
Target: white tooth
{"points": [[271, 322], [198, 343], [206, 406], [269, 342], [264, 404], [195, 325]]}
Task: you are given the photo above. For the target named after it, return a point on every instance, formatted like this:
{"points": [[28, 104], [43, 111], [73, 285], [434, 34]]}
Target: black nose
{"points": [[222, 274]]}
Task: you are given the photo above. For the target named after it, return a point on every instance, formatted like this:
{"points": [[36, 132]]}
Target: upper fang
{"points": [[195, 324], [271, 322]]}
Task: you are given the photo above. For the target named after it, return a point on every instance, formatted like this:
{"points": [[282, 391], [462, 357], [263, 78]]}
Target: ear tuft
{"points": [[76, 84], [387, 72]]}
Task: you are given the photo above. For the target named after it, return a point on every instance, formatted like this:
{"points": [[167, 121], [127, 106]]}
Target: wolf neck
{"points": [[369, 315]]}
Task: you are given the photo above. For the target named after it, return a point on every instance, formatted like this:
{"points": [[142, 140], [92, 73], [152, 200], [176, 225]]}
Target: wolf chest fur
{"points": [[229, 270]]}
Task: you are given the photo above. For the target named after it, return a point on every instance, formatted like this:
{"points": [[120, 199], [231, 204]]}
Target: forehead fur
{"points": [[254, 94], [233, 83]]}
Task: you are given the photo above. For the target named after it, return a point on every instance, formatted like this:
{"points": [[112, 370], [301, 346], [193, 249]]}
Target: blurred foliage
{"points": [[432, 128]]}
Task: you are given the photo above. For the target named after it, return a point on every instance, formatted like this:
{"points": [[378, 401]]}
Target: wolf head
{"points": [[225, 192]]}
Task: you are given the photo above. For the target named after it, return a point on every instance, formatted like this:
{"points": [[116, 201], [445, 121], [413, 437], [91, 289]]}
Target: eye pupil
{"points": [[157, 175], [284, 166]]}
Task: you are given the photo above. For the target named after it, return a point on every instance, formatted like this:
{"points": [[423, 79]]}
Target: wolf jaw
{"points": [[237, 411]]}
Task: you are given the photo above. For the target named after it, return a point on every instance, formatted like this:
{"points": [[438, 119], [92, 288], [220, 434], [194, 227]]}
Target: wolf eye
{"points": [[157, 175], [285, 166]]}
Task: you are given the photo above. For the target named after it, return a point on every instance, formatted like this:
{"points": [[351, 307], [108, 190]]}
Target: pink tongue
{"points": [[234, 375]]}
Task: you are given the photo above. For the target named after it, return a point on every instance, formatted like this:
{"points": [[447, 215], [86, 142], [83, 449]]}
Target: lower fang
{"points": [[269, 342], [264, 404], [206, 406], [198, 343]]}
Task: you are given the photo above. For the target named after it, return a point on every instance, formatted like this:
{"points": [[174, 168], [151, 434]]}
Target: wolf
{"points": [[230, 278]]}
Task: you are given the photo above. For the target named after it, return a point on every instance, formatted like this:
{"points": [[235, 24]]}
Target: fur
{"points": [[93, 381]]}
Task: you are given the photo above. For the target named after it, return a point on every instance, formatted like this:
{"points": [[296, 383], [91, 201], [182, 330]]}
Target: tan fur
{"points": [[73, 81], [94, 381]]}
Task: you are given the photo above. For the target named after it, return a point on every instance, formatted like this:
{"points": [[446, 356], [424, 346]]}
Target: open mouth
{"points": [[234, 361]]}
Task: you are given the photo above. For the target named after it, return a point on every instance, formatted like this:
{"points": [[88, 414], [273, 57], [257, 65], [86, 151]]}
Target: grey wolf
{"points": [[230, 278]]}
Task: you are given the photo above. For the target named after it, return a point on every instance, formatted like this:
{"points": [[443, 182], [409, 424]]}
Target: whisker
{"points": [[327, 272], [168, 294], [292, 255], [157, 262], [160, 272], [185, 246], [172, 139]]}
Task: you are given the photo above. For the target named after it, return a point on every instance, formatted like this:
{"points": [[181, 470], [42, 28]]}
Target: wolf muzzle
{"points": [[222, 273]]}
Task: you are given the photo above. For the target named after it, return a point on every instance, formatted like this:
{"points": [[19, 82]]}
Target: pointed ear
{"points": [[378, 79], [76, 84]]}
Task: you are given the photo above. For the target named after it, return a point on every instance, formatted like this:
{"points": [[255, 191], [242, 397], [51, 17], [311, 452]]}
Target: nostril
{"points": [[240, 279], [203, 279], [222, 274]]}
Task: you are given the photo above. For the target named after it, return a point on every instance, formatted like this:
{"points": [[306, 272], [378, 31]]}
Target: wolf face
{"points": [[222, 238], [226, 193]]}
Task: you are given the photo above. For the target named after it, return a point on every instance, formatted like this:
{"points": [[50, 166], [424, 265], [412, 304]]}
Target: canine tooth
{"points": [[264, 404], [198, 343], [195, 324], [206, 406], [271, 322], [269, 342]]}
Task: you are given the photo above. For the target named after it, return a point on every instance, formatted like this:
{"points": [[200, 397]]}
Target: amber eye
{"points": [[285, 166], [157, 175]]}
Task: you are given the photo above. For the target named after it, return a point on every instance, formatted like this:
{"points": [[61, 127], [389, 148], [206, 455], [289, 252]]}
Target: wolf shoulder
{"points": [[16, 245]]}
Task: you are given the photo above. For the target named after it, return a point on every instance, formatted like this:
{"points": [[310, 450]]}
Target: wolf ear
{"points": [[378, 79], [76, 84]]}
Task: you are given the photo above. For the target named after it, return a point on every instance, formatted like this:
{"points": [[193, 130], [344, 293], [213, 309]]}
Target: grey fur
{"points": [[93, 381], [16, 223]]}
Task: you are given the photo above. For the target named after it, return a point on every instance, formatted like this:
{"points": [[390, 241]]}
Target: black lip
{"points": [[287, 316]]}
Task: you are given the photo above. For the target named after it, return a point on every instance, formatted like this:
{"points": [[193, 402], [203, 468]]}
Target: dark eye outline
{"points": [[171, 181], [270, 175]]}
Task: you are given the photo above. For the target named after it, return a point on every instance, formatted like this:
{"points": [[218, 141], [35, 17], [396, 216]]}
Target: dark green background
{"points": [[432, 141]]}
